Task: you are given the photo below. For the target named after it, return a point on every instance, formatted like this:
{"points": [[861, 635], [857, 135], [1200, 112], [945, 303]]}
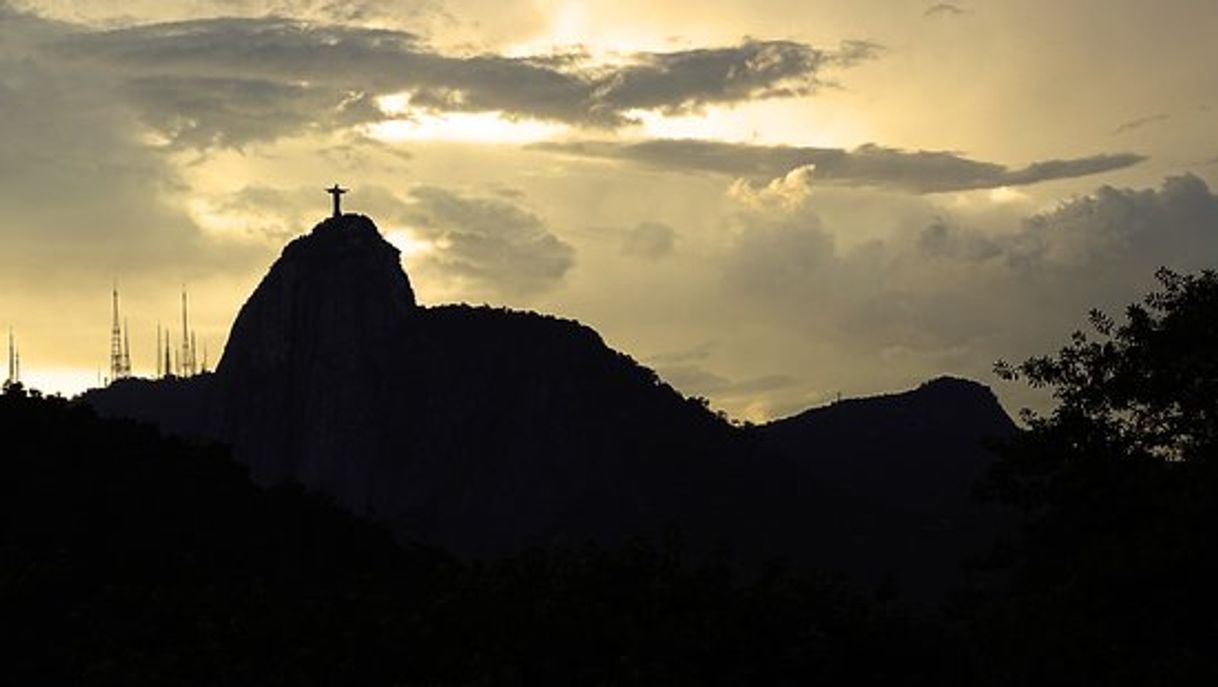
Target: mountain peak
{"points": [[312, 346], [954, 390], [344, 236], [948, 383], [341, 281]]}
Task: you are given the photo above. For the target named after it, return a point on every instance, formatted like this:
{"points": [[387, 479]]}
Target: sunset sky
{"points": [[769, 202]]}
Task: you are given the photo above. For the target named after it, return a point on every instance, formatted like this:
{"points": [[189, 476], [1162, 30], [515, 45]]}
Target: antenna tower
{"points": [[167, 365], [126, 348], [14, 366], [187, 361], [118, 368]]}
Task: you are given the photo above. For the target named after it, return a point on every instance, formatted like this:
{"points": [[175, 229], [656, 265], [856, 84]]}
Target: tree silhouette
{"points": [[1146, 388], [1114, 574]]}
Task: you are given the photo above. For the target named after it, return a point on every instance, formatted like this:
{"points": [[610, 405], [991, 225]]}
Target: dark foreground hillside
{"points": [[128, 558]]}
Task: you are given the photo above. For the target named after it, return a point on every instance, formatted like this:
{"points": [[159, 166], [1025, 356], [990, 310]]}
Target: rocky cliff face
{"points": [[308, 365]]}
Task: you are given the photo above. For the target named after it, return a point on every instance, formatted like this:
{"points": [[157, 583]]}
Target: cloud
{"points": [[789, 190], [124, 12], [65, 139], [210, 112], [1111, 229], [868, 165], [1139, 123], [782, 256], [683, 357], [753, 398], [649, 241], [489, 242], [695, 380], [1175, 225], [232, 80], [281, 214], [475, 244], [685, 80], [941, 238], [944, 9], [959, 292]]}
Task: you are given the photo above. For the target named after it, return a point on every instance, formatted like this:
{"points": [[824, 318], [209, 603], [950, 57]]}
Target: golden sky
{"points": [[769, 202]]}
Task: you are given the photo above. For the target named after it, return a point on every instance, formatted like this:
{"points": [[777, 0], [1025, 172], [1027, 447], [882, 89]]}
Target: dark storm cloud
{"points": [[918, 171], [306, 68]]}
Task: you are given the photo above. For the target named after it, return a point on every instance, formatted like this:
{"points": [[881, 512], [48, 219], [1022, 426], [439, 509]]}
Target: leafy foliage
{"points": [[1146, 387], [1113, 577]]}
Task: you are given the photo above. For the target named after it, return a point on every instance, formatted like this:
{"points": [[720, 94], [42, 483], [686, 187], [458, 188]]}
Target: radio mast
{"points": [[118, 368], [186, 363], [14, 361]]}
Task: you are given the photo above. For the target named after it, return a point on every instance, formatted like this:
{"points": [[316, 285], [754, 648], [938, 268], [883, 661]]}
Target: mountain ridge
{"points": [[479, 429], [897, 472]]}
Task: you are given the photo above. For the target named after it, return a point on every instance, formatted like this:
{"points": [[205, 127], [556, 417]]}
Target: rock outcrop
{"points": [[308, 368]]}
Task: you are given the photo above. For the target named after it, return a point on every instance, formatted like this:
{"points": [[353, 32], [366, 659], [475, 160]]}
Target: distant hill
{"points": [[896, 475], [485, 431]]}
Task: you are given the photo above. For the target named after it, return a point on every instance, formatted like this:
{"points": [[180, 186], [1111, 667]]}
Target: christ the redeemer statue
{"points": [[337, 192]]}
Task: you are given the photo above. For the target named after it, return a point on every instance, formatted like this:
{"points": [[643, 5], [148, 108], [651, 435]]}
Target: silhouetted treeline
{"points": [[1114, 579], [130, 558]]}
